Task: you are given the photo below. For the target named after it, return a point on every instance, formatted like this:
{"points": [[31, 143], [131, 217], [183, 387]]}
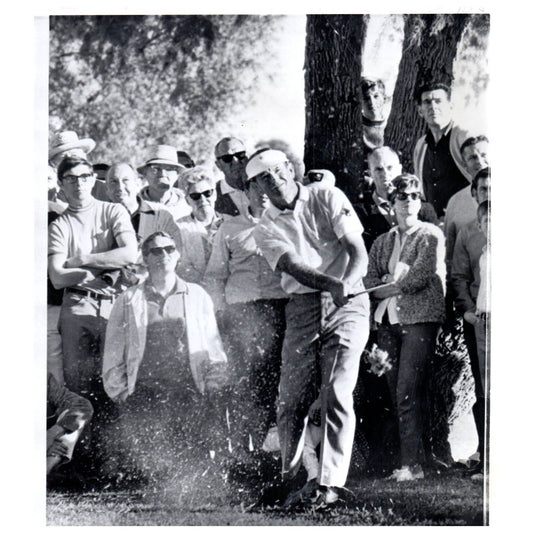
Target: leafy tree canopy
{"points": [[132, 81]]}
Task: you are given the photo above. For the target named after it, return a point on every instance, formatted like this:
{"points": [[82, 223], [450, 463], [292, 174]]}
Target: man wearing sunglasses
{"points": [[314, 238], [231, 160], [163, 356], [195, 232], [88, 239]]}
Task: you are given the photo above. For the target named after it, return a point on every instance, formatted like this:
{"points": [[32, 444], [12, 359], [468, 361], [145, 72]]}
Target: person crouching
{"points": [[163, 363]]}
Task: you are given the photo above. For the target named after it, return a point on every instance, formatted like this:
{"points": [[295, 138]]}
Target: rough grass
{"points": [[436, 500]]}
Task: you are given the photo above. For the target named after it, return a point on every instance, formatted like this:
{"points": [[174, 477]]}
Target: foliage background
{"points": [[132, 81], [187, 80]]}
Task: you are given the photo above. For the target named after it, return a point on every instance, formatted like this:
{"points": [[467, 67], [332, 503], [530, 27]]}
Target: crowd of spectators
{"points": [[230, 317]]}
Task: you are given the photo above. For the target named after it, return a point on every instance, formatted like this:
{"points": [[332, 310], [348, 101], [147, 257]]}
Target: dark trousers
{"points": [[410, 348], [82, 325], [478, 410], [253, 336]]}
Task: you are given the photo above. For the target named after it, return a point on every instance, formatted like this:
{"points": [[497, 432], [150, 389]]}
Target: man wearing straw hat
{"points": [[313, 236], [161, 172], [67, 143]]}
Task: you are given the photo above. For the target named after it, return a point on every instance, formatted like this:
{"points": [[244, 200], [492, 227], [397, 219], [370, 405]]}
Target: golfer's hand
{"points": [[339, 292]]}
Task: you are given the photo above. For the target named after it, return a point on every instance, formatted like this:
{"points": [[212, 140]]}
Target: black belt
{"points": [[91, 294]]}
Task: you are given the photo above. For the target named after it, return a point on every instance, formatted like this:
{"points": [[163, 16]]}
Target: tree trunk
{"points": [[333, 129], [429, 49]]}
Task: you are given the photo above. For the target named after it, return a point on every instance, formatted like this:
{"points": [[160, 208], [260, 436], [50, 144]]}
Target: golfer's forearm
{"points": [[308, 276]]}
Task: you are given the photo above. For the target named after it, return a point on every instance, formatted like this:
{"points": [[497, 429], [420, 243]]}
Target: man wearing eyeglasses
{"points": [[163, 355], [161, 172], [196, 231], [437, 156], [88, 239], [314, 238], [231, 159]]}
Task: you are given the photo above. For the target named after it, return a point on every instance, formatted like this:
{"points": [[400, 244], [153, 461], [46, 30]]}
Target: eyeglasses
{"points": [[71, 179], [159, 250], [161, 168], [228, 158], [402, 196], [197, 195]]}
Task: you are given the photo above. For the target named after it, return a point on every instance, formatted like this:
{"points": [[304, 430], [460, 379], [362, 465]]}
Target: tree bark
{"points": [[429, 49], [333, 129]]}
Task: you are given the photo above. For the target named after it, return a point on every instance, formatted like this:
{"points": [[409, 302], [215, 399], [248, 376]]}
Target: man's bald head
{"points": [[123, 185], [384, 165]]}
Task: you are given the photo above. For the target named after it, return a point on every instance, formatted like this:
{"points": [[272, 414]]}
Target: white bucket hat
{"points": [[161, 154]]}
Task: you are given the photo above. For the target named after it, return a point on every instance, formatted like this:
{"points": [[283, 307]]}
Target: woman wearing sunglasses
{"points": [[197, 230], [407, 313]]}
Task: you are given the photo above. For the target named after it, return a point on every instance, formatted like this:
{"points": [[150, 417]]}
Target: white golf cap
{"points": [[264, 162]]}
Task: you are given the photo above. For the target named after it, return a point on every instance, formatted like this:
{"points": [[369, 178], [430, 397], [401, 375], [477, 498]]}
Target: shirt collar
{"points": [[429, 135], [173, 198], [410, 231], [179, 287], [225, 188], [303, 196]]}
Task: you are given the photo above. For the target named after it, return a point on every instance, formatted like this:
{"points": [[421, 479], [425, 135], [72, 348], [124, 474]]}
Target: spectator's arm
{"points": [[462, 276], [125, 254], [217, 271], [62, 277], [429, 262]]}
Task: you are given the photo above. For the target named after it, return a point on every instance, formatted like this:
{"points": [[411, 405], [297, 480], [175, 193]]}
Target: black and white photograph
{"points": [[268, 263]]}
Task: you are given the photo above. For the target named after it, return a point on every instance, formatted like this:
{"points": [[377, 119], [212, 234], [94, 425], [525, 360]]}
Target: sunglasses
{"points": [[84, 178], [402, 196], [159, 250], [197, 195], [228, 158]]}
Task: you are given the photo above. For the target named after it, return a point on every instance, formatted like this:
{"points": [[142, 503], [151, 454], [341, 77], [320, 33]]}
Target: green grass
{"points": [[436, 500]]}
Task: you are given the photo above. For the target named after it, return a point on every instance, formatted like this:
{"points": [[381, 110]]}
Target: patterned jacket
{"points": [[422, 298]]}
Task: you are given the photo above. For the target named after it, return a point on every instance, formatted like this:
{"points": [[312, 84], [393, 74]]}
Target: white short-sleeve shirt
{"points": [[313, 229]]}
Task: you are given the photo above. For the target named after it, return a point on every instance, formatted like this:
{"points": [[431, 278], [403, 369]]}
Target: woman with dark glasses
{"points": [[196, 231], [409, 260]]}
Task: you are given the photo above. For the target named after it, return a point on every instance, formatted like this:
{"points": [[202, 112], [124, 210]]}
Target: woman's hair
{"points": [[194, 175], [402, 183]]}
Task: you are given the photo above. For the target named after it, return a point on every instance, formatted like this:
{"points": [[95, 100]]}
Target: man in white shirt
{"points": [[313, 236]]}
